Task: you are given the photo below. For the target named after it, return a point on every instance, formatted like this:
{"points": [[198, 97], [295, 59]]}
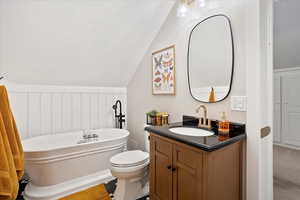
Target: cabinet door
{"points": [[160, 169], [187, 173]]}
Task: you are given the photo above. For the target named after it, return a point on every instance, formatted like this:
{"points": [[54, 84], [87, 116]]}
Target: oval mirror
{"points": [[211, 59]]}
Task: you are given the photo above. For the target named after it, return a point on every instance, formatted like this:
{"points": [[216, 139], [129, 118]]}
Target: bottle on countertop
{"points": [[224, 125]]}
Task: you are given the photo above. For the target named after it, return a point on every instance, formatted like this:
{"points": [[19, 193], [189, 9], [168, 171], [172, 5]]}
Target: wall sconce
{"points": [[198, 3], [182, 10], [201, 3], [184, 7], [187, 2]]}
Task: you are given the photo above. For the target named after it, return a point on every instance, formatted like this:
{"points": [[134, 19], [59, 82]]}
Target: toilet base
{"points": [[131, 189]]}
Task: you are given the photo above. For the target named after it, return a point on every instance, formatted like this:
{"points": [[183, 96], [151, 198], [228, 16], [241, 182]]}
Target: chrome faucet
{"points": [[87, 134], [203, 121]]}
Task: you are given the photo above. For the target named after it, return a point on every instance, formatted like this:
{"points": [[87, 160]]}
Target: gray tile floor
{"points": [[286, 173], [285, 190], [287, 164], [110, 187]]}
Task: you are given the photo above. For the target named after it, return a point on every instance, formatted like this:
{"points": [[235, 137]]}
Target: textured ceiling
{"points": [[77, 42]]}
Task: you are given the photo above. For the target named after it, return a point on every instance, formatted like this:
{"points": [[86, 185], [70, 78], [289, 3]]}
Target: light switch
{"points": [[239, 103]]}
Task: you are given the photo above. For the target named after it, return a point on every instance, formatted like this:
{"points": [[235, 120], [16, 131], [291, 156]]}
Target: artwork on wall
{"points": [[163, 71]]}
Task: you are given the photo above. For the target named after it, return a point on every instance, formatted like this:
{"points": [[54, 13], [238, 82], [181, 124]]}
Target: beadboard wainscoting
{"points": [[287, 107], [41, 110]]}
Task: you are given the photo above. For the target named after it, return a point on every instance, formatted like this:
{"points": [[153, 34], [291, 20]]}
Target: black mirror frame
{"points": [[233, 57]]}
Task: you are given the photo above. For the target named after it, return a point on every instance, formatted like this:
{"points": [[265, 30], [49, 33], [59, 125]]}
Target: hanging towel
{"points": [[11, 151]]}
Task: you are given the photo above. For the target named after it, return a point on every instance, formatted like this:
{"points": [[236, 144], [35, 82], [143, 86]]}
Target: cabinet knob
{"points": [[173, 169], [169, 167]]}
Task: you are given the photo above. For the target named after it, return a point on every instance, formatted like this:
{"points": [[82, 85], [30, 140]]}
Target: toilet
{"points": [[131, 168]]}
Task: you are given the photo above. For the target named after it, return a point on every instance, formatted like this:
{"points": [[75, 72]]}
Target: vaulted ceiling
{"points": [[77, 42]]}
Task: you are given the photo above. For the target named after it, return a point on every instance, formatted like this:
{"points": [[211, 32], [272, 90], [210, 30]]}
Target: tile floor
{"points": [[285, 190], [286, 173], [110, 187], [286, 164]]}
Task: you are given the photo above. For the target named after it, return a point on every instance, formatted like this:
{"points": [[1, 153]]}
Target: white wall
{"points": [[286, 33], [41, 110], [78, 42], [176, 31], [208, 56], [94, 43]]}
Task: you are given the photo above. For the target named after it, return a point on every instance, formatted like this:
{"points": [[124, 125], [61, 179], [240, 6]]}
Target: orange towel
{"points": [[11, 151]]}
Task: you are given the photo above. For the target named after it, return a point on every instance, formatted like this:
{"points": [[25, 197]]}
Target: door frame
{"points": [[259, 86]]}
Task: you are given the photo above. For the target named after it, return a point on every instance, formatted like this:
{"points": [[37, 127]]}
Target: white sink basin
{"points": [[191, 131]]}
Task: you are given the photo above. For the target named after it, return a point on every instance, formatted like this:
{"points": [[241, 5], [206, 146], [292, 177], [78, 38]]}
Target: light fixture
{"points": [[201, 3], [184, 7], [182, 10], [187, 2]]}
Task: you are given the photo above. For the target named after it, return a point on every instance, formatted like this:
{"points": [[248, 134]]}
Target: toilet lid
{"points": [[129, 158]]}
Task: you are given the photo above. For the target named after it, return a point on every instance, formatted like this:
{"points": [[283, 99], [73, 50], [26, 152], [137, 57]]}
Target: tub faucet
{"points": [[118, 117], [203, 121], [87, 134]]}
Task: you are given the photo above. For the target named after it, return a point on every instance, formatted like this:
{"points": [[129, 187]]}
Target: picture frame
{"points": [[164, 72]]}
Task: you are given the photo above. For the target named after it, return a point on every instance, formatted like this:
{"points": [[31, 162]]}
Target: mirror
{"points": [[211, 59]]}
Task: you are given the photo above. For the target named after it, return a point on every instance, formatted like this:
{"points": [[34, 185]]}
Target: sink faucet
{"points": [[203, 121]]}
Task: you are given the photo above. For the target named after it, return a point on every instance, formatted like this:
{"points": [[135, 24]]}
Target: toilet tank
{"points": [[147, 141]]}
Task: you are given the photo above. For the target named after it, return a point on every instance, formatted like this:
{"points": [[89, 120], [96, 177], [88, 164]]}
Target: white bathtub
{"points": [[58, 166]]}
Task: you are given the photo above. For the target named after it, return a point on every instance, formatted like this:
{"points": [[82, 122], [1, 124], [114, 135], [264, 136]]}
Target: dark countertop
{"points": [[210, 143]]}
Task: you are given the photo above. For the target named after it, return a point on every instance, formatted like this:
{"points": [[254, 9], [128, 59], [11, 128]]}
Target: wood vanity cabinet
{"points": [[182, 172]]}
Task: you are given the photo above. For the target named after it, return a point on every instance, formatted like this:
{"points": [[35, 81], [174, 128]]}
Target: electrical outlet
{"points": [[239, 103]]}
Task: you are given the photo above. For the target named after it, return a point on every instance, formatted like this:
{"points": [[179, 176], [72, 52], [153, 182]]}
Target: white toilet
{"points": [[132, 169]]}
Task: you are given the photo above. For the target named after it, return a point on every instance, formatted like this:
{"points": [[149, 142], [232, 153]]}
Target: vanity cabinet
{"points": [[181, 172]]}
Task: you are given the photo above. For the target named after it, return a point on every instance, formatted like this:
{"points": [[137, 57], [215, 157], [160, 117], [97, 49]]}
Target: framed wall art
{"points": [[163, 71]]}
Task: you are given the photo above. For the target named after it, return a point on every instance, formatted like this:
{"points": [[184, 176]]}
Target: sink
{"points": [[191, 131]]}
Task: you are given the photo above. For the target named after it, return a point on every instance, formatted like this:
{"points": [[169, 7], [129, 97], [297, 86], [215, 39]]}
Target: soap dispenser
{"points": [[224, 125]]}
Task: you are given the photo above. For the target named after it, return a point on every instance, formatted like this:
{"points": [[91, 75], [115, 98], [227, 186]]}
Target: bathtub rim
{"points": [[66, 156], [125, 136]]}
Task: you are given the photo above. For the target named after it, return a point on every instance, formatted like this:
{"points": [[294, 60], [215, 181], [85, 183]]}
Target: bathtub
{"points": [[62, 164]]}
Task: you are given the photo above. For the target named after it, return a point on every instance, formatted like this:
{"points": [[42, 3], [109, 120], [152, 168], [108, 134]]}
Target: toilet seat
{"points": [[130, 159]]}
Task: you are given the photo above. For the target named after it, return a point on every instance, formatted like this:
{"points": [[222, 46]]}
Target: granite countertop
{"points": [[210, 143]]}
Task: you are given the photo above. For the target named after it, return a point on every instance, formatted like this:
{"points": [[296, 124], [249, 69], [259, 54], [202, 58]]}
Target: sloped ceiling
{"points": [[77, 42]]}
